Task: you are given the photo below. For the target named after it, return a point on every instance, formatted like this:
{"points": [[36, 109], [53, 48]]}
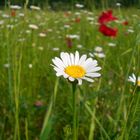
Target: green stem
{"points": [[46, 128], [74, 111]]}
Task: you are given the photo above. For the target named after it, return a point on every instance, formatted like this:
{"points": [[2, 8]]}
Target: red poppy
{"points": [[77, 20], [107, 31], [125, 23], [13, 13], [106, 17], [69, 42]]}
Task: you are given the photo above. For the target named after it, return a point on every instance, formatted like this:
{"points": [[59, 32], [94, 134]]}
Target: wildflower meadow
{"points": [[69, 74]]}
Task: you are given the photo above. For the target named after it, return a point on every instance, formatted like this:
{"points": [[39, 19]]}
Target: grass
{"points": [[108, 109]]}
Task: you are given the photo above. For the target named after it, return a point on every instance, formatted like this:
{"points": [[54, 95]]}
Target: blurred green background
{"points": [[69, 3]]}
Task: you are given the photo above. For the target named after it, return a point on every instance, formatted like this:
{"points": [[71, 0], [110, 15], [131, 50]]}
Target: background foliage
{"points": [[88, 3]]}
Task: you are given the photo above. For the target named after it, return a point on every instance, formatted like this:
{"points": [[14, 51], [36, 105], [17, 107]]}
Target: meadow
{"points": [[37, 105]]}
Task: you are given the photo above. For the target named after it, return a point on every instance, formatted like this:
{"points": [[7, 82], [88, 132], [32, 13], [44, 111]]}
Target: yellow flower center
{"points": [[75, 71], [138, 82]]}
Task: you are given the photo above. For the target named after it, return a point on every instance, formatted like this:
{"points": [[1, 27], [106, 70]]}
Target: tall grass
{"points": [[36, 106]]}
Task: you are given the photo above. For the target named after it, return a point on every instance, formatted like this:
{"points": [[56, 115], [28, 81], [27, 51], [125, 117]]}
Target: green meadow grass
{"points": [[108, 109]]}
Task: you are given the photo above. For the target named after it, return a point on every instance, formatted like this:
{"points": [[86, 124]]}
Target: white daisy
{"points": [[74, 67], [134, 79]]}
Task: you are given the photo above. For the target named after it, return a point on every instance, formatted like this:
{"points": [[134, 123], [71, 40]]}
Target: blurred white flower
{"points": [[41, 48], [98, 52], [7, 65], [79, 46], [21, 14], [30, 66], [67, 26], [1, 22], [35, 7], [16, 7], [49, 30], [55, 49], [74, 67], [135, 80], [42, 34], [28, 31], [10, 26], [90, 18], [100, 55], [118, 4], [111, 44], [33, 26], [79, 5], [98, 49], [130, 31], [77, 13], [5, 16], [73, 36]]}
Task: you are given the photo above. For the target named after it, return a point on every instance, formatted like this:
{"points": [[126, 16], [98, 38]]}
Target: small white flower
{"points": [[67, 26], [7, 65], [79, 5], [28, 31], [33, 26], [98, 49], [135, 80], [10, 26], [90, 18], [79, 46], [35, 7], [16, 7], [21, 14], [5, 16], [73, 36], [77, 13], [55, 49], [50, 30], [1, 22], [118, 4], [42, 34], [100, 55], [111, 44], [30, 66], [130, 31], [41, 48], [74, 67]]}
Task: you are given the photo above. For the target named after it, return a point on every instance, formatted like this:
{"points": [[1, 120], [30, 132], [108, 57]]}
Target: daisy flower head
{"points": [[135, 80], [73, 67]]}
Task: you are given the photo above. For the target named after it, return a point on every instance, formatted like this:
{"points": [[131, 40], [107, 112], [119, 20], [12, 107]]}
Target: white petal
{"points": [[88, 79], [68, 59], [87, 62], [71, 79], [82, 59], [65, 75], [76, 57], [58, 69], [63, 57], [134, 77], [58, 62], [72, 58], [93, 75], [59, 74], [79, 81], [93, 69]]}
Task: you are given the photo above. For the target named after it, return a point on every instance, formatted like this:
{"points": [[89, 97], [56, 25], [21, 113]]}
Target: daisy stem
{"points": [[74, 111]]}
